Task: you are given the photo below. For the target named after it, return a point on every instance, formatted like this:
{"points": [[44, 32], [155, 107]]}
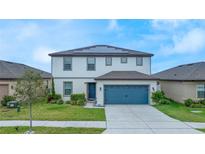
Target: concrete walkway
{"points": [[143, 119], [87, 124], [196, 124]]}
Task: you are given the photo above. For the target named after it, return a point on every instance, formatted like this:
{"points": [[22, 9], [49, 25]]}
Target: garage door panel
{"points": [[126, 94]]}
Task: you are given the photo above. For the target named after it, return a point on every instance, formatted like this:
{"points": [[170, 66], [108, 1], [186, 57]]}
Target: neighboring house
{"points": [[10, 72], [183, 82], [106, 74]]}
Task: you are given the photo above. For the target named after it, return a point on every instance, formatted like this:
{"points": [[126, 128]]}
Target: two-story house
{"points": [[106, 74]]}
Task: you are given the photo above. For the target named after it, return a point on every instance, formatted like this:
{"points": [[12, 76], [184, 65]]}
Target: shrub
{"points": [[164, 101], [157, 96], [188, 102], [53, 101], [51, 97], [202, 101], [60, 101], [75, 97], [7, 99], [194, 104], [67, 102], [78, 99], [57, 96], [197, 105]]}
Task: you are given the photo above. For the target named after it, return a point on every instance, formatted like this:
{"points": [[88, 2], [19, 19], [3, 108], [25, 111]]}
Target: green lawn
{"points": [[51, 130], [63, 112], [181, 112], [203, 130]]}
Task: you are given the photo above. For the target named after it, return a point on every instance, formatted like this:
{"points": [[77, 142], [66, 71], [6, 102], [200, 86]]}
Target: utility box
{"points": [[12, 104]]}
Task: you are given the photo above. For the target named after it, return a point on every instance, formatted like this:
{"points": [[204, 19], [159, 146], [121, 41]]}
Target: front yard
{"points": [[63, 112], [51, 130], [181, 112]]}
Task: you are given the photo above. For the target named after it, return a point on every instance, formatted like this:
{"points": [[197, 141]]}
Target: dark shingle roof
{"points": [[187, 72], [125, 75], [11, 70], [101, 50]]}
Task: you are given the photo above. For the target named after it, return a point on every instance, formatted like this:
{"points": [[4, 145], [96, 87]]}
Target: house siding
{"points": [[12, 85], [179, 90], [79, 65]]}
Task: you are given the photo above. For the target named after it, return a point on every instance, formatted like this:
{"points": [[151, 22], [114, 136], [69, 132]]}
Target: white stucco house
{"points": [[106, 74]]}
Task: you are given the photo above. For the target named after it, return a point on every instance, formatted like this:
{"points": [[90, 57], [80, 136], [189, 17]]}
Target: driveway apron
{"points": [[142, 119]]}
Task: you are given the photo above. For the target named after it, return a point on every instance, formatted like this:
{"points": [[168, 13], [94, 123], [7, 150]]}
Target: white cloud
{"points": [[113, 25], [41, 54], [191, 42], [167, 24], [28, 31]]}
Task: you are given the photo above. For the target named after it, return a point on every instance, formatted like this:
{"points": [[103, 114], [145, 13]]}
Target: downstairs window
{"points": [[201, 91]]}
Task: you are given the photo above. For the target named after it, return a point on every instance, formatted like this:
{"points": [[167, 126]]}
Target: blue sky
{"points": [[173, 42]]}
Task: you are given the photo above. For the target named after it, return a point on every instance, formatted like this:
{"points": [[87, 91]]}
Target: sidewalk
{"points": [[196, 124], [87, 124]]}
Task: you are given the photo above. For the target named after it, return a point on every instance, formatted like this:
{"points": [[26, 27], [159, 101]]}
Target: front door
{"points": [[91, 91]]}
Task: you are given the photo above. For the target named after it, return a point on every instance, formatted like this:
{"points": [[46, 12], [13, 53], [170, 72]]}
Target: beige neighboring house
{"points": [[10, 72], [183, 82]]}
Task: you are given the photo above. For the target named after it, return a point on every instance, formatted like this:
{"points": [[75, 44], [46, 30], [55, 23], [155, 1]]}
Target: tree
{"points": [[29, 88]]}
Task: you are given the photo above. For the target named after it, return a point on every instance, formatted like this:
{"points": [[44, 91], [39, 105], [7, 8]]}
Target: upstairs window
{"points": [[67, 63], [201, 91], [91, 63], [108, 61], [123, 59], [139, 61], [67, 87]]}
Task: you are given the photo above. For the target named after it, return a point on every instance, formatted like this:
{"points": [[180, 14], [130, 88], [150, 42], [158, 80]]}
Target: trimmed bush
{"points": [[60, 101], [53, 101], [164, 101], [7, 99], [194, 104], [77, 99], [188, 102], [52, 98], [157, 96], [67, 102], [57, 96], [202, 101], [197, 105]]}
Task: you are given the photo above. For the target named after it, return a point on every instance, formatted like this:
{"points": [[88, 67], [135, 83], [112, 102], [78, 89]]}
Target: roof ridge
{"points": [[129, 51]]}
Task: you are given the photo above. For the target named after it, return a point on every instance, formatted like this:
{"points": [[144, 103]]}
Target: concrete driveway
{"points": [[142, 119]]}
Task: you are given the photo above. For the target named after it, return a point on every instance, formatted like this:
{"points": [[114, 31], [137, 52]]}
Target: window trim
{"points": [[94, 64], [64, 64], [142, 61], [106, 61], [122, 61], [64, 88], [197, 90]]}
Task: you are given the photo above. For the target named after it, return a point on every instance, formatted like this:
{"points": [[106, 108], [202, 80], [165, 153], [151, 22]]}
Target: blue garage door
{"points": [[126, 94]]}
